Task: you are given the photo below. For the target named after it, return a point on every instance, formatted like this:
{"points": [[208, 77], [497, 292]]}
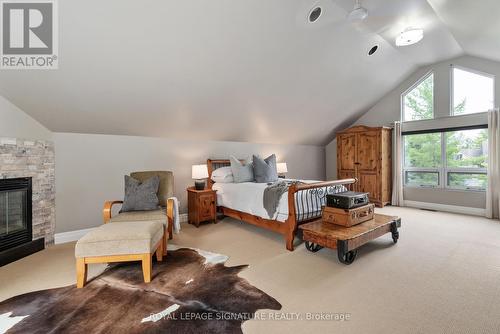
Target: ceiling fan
{"points": [[358, 13]]}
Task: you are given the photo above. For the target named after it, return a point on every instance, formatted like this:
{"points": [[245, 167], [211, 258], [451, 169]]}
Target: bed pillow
{"points": [[141, 196], [225, 179], [264, 170], [223, 172], [242, 172], [223, 175]]}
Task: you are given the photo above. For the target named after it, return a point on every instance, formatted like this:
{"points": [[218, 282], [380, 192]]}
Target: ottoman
{"points": [[120, 242]]}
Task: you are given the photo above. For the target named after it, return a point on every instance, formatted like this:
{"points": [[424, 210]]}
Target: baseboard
{"points": [[447, 208], [61, 238]]}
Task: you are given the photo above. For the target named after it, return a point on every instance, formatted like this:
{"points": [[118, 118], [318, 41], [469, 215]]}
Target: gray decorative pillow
{"points": [[264, 170], [241, 172], [141, 196]]}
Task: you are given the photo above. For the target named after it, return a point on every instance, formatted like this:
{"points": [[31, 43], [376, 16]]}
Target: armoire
{"points": [[365, 153]]}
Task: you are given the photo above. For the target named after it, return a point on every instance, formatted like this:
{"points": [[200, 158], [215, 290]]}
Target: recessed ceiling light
{"points": [[410, 36], [373, 50], [314, 14]]}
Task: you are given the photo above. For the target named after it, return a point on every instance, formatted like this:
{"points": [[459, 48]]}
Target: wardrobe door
{"points": [[346, 157], [348, 175], [367, 163], [346, 150]]}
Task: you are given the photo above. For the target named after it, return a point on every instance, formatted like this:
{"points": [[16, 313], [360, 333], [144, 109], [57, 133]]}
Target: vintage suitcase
{"points": [[348, 217], [347, 200]]}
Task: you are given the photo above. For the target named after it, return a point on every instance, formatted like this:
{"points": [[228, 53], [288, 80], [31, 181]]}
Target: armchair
{"points": [[165, 214]]}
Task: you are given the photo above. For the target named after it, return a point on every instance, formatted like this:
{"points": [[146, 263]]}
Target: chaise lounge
{"points": [[164, 215]]}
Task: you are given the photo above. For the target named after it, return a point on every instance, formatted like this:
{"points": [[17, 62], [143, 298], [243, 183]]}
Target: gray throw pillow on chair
{"points": [[264, 170], [241, 172], [141, 196]]}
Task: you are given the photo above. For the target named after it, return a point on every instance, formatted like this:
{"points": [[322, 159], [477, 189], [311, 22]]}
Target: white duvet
{"points": [[248, 197]]}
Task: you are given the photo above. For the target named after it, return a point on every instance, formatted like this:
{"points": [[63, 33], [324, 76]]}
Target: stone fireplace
{"points": [[27, 170]]}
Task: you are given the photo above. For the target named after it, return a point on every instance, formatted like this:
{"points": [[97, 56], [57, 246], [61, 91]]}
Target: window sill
{"points": [[446, 189]]}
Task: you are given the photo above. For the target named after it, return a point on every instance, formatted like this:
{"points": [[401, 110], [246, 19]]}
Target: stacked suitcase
{"points": [[348, 208]]}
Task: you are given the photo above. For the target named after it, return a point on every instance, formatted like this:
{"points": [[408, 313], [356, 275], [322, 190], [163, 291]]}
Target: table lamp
{"points": [[199, 173], [281, 169]]}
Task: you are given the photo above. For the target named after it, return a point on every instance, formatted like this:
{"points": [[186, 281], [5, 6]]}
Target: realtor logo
{"points": [[28, 34]]}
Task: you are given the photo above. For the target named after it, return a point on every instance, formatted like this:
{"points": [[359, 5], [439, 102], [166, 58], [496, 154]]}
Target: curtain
{"points": [[397, 173], [493, 191]]}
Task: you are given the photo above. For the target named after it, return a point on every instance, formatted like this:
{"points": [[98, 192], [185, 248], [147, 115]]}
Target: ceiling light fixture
{"points": [[410, 36], [359, 13]]}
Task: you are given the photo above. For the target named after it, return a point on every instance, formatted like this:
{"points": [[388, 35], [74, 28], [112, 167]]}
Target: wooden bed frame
{"points": [[288, 228]]}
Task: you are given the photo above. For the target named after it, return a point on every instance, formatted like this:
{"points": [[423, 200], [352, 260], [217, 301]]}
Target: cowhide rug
{"points": [[192, 291]]}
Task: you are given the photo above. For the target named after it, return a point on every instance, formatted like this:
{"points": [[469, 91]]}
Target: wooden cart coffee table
{"points": [[347, 240]]}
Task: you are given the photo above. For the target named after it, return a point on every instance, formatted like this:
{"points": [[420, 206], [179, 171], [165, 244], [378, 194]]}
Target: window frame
{"points": [[443, 170], [452, 87], [412, 87]]}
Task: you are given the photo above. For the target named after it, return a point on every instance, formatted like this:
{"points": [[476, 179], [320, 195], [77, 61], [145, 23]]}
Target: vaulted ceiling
{"points": [[247, 70]]}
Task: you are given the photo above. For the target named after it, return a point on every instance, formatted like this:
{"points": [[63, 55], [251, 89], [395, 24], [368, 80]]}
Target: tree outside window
{"points": [[418, 103]]}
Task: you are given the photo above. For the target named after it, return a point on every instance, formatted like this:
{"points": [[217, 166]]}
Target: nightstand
{"points": [[201, 206]]}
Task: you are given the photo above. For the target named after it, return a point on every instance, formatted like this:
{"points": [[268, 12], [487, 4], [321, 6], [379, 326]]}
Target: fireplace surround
{"points": [[24, 159]]}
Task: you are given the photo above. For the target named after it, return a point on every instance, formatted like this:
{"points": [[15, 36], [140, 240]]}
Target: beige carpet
{"points": [[442, 277]]}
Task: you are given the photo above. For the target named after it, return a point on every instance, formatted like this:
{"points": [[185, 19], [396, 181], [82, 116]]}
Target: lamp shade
{"points": [[199, 172], [281, 168]]}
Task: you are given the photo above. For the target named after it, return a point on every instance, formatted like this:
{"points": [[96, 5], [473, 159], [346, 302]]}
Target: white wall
{"points": [[331, 160], [15, 123], [388, 109], [90, 168]]}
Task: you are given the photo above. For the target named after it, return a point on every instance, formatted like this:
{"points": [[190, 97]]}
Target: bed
{"points": [[303, 203]]}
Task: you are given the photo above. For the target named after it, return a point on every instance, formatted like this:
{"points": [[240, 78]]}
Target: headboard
{"points": [[213, 164]]}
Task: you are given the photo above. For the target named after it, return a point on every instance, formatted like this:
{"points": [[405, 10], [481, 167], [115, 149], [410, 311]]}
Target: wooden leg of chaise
{"points": [[170, 230], [165, 242], [147, 266], [159, 250], [81, 272]]}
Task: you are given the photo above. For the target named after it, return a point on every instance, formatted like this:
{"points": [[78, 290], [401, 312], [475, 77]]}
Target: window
{"points": [[451, 159], [472, 92], [421, 179], [422, 159], [466, 159], [418, 102], [423, 150]]}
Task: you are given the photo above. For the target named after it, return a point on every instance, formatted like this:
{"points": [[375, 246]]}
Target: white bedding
{"points": [[248, 197]]}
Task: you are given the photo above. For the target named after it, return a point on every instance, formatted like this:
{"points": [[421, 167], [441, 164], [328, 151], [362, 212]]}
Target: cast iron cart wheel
{"points": [[312, 247], [345, 256], [394, 231], [349, 257]]}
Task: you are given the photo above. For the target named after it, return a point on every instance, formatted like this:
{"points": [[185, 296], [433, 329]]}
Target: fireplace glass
{"points": [[15, 212]]}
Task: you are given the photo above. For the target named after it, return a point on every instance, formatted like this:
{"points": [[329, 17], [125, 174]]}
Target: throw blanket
{"points": [[272, 196], [177, 221]]}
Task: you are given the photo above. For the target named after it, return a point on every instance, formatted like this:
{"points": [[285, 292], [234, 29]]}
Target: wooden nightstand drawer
{"points": [[201, 206]]}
